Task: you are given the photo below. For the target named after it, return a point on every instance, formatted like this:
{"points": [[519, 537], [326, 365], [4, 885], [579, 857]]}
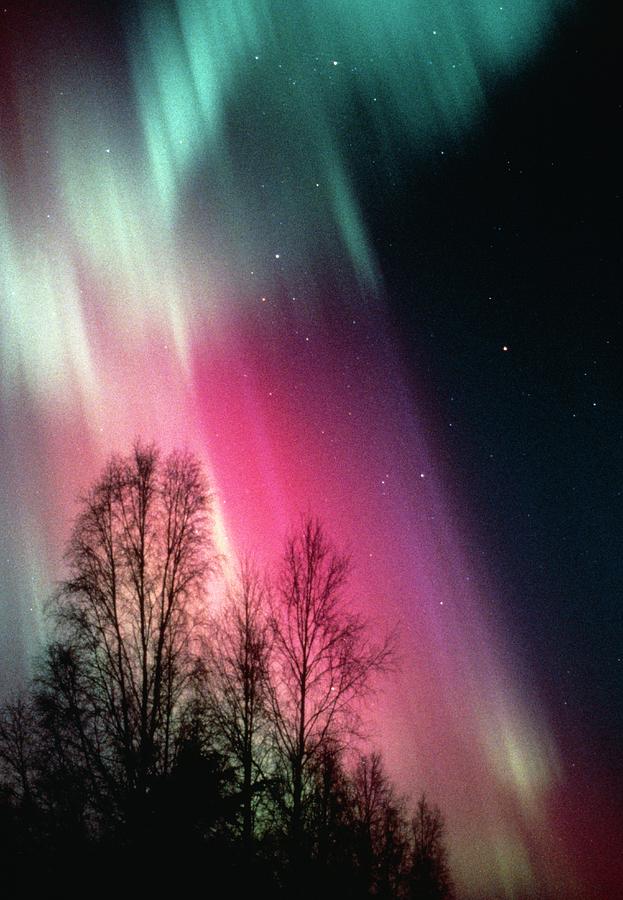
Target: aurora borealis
{"points": [[193, 248]]}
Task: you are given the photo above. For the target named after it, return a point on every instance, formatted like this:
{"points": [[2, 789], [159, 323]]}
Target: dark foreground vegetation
{"points": [[164, 746]]}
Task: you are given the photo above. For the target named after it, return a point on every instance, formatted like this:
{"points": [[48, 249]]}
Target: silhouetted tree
{"points": [[323, 661], [236, 687], [329, 805], [328, 825], [139, 556], [18, 764], [380, 828], [430, 875]]}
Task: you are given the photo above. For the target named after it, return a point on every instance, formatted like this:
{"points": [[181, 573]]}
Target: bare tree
{"points": [[323, 660], [18, 727], [139, 556], [380, 828], [237, 688], [329, 808], [430, 875]]}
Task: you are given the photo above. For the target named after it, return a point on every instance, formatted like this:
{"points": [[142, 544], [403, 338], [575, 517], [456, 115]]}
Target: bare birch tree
{"points": [[380, 828], [237, 688], [323, 660], [139, 556], [18, 726], [430, 875]]}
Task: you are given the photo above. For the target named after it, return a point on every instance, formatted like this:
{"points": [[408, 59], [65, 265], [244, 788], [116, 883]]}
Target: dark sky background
{"points": [[513, 239]]}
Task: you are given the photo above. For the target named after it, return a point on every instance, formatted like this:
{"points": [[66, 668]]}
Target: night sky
{"points": [[363, 260]]}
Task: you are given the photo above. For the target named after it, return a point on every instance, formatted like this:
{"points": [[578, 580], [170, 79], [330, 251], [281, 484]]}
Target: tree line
{"points": [[161, 742]]}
